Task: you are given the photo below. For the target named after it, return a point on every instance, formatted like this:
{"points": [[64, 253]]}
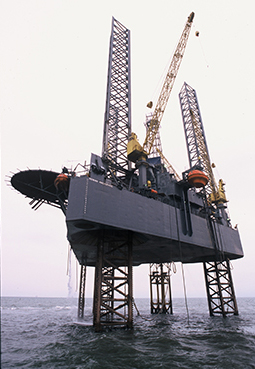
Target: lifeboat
{"points": [[62, 182], [197, 178]]}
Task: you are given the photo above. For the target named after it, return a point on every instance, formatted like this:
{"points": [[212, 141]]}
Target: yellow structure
{"points": [[134, 150]]}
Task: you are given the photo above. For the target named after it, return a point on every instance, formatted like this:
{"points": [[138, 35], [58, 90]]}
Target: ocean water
{"points": [[43, 333]]}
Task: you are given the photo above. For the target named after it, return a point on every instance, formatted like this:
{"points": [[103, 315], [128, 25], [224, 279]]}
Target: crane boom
{"points": [[167, 86], [134, 150]]}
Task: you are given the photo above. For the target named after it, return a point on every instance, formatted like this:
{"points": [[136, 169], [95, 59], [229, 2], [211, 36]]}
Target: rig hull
{"points": [[95, 206]]}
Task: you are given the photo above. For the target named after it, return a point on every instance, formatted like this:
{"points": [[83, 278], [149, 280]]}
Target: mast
{"points": [[117, 121]]}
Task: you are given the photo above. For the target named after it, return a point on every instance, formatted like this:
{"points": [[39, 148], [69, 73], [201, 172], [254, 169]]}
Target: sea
{"points": [[45, 333]]}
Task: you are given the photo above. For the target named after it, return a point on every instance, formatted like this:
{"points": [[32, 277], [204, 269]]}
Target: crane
{"points": [[139, 154], [135, 151]]}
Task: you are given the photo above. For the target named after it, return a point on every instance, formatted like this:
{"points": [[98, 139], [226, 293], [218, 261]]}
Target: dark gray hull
{"points": [[94, 206]]}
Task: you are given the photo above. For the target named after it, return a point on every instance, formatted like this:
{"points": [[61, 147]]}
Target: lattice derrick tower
{"points": [[117, 122]]}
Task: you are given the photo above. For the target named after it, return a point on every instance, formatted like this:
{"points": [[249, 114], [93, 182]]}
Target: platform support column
{"points": [[113, 293], [81, 301], [220, 288], [160, 288]]}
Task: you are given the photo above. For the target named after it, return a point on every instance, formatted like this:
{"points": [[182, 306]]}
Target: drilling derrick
{"points": [[218, 279]]}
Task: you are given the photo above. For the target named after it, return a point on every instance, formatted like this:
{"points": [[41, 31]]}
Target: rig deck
{"points": [[157, 227]]}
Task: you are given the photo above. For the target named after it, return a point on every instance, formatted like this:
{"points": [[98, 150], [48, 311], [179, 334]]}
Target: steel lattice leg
{"points": [[113, 294], [160, 288], [220, 288]]}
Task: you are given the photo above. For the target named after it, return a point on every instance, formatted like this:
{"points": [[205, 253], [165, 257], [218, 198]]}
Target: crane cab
{"points": [[135, 151]]}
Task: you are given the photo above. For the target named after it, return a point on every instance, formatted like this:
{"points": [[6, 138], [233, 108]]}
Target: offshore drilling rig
{"points": [[129, 206]]}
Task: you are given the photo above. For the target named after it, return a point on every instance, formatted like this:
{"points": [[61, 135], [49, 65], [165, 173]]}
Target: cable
{"points": [[185, 292], [183, 277], [76, 277], [207, 64], [138, 313], [174, 267], [68, 260]]}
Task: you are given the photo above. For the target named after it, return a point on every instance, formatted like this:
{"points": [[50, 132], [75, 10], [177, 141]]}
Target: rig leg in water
{"points": [[113, 290]]}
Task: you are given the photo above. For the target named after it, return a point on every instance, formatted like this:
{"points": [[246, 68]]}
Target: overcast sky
{"points": [[53, 71]]}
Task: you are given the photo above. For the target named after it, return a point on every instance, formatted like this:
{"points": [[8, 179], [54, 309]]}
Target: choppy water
{"points": [[42, 333]]}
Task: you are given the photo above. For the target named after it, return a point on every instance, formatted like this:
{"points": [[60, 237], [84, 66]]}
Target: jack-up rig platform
{"points": [[129, 206]]}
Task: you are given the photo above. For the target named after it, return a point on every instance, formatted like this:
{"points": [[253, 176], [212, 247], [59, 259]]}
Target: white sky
{"points": [[53, 70]]}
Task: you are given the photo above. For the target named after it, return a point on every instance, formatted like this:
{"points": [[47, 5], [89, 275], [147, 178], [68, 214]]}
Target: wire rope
{"points": [[183, 276], [139, 314], [76, 276], [68, 259]]}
